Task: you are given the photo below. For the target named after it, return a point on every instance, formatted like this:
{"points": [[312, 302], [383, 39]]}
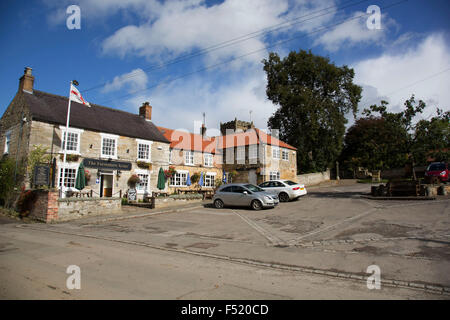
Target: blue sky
{"points": [[114, 54]]}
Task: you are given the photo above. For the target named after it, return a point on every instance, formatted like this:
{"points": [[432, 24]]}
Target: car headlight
{"points": [[442, 173], [267, 198]]}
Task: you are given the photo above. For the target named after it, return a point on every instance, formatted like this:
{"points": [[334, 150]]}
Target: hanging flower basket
{"points": [[195, 177], [87, 176], [169, 173], [133, 180]]}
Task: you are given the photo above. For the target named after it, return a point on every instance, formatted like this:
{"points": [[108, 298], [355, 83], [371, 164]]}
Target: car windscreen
{"points": [[290, 183], [253, 188], [436, 167]]}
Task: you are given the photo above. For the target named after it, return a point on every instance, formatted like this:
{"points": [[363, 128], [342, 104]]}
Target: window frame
{"points": [[111, 137], [7, 142], [190, 152], [140, 172], [146, 143], [209, 156], [274, 173], [283, 153], [276, 151], [207, 177], [181, 173], [68, 166], [76, 131]]}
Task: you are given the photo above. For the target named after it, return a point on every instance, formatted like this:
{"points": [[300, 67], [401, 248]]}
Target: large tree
{"points": [[314, 96], [383, 139]]}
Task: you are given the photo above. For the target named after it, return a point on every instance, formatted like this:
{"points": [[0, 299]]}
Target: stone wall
{"points": [[48, 207], [168, 202], [45, 207], [310, 179], [16, 122], [73, 208]]}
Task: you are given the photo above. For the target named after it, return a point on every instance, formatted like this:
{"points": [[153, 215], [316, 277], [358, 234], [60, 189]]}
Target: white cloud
{"points": [[181, 103], [133, 80], [395, 76], [186, 26], [355, 31]]}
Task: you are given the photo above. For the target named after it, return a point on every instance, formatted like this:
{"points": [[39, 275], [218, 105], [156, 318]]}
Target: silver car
{"points": [[285, 189], [243, 194]]}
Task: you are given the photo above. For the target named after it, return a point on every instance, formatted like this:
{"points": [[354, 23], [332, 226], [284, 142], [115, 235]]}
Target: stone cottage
{"points": [[192, 154]]}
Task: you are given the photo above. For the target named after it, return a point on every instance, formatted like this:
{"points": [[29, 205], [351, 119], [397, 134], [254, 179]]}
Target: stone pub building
{"points": [[112, 144]]}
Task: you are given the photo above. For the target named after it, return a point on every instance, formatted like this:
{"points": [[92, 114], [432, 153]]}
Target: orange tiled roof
{"points": [[265, 138], [250, 137], [188, 141], [192, 141]]}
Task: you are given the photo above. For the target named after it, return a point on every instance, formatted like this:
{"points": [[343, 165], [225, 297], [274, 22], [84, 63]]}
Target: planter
{"points": [[70, 157]]}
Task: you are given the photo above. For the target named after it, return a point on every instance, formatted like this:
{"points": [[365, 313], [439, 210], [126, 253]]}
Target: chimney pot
{"points": [[26, 81], [145, 111]]}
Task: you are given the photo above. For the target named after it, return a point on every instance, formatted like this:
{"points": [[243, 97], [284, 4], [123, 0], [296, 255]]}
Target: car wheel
{"points": [[284, 197], [218, 204], [256, 205]]}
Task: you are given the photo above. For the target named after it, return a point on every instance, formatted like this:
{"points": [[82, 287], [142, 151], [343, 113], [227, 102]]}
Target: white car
{"points": [[285, 189]]}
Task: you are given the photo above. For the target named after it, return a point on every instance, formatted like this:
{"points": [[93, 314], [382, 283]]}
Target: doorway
{"points": [[106, 185]]}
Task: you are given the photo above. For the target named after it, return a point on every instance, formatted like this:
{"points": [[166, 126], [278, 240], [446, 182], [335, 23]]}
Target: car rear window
{"points": [[436, 167], [289, 182]]}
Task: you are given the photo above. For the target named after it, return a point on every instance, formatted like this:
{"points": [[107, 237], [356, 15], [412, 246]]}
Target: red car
{"points": [[438, 169]]}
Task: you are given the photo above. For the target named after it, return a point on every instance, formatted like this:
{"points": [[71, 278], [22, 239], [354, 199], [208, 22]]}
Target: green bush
{"points": [[7, 167]]}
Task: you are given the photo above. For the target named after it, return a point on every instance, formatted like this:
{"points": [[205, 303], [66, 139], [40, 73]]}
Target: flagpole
{"points": [[64, 135]]}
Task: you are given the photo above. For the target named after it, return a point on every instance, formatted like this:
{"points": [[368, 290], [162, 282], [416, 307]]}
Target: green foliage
{"points": [[36, 156], [384, 140], [314, 96], [7, 167], [195, 178], [433, 138]]}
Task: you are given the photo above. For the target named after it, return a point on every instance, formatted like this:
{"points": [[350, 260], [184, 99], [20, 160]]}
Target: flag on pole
{"points": [[75, 95]]}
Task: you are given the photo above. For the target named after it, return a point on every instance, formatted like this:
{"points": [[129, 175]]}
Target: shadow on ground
{"points": [[336, 195]]}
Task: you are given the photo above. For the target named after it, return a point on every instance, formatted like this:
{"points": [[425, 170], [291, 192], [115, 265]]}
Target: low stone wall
{"points": [[73, 208], [169, 201], [310, 179], [48, 207], [45, 206]]}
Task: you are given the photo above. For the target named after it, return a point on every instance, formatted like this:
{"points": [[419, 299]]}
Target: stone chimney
{"points": [[26, 81], [145, 111]]}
